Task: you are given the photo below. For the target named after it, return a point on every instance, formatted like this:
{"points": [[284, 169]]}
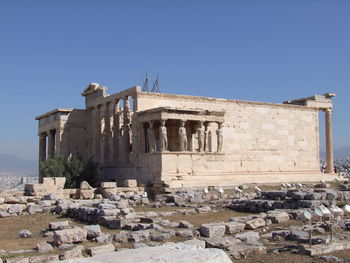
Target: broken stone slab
{"points": [[139, 236], [213, 229], [84, 185], [203, 209], [59, 225], [121, 237], [160, 237], [245, 250], [170, 253], [73, 235], [225, 243], [44, 247], [278, 217], [86, 194], [185, 224], [250, 237], [195, 242], [72, 253], [184, 233], [43, 259], [34, 208], [104, 238], [234, 227], [93, 231], [15, 209], [255, 223], [20, 259], [323, 248], [98, 250]]}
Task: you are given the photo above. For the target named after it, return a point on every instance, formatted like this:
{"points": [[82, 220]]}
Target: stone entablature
{"points": [[178, 139]]}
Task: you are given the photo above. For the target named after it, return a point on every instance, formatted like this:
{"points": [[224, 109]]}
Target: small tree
{"points": [[61, 166]]}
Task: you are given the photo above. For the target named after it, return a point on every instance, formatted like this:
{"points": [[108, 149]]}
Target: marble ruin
{"points": [[187, 141]]}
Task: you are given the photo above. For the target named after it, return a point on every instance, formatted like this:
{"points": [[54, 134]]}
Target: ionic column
{"points": [[116, 131], [102, 132], [51, 144], [107, 132], [94, 133], [110, 131], [329, 141], [42, 152], [98, 134], [126, 127], [42, 147], [58, 140]]}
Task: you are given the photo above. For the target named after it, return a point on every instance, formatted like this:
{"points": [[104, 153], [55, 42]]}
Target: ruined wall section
{"points": [[258, 137]]}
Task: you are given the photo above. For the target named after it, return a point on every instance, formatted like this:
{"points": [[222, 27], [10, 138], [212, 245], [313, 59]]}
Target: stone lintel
{"points": [[167, 113], [322, 102], [52, 112]]}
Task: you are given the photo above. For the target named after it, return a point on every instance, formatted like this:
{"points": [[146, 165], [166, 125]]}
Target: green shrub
{"points": [[61, 166]]}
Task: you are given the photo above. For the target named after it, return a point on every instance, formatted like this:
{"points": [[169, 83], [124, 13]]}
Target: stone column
{"points": [[107, 132], [58, 140], [126, 126], [51, 144], [98, 135], [42, 147], [116, 130], [110, 132], [42, 152], [329, 141], [93, 111], [182, 137], [102, 132]]}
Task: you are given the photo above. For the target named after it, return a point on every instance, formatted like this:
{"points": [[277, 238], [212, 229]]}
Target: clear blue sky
{"points": [[251, 50]]}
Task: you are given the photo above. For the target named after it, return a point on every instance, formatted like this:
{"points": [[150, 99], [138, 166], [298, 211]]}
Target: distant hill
{"points": [[338, 153], [13, 164]]}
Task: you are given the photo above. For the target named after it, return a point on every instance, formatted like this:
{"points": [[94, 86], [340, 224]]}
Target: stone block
{"points": [[107, 185], [59, 182], [98, 250], [25, 234], [44, 247], [255, 223], [85, 186], [72, 253], [59, 225], [224, 243], [93, 230], [278, 217], [138, 236], [248, 237], [86, 194], [70, 235], [211, 230], [234, 227], [130, 183], [43, 259]]}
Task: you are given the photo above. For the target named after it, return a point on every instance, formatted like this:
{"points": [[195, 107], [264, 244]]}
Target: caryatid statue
{"points": [[163, 136], [200, 132], [150, 138], [182, 137], [220, 137]]}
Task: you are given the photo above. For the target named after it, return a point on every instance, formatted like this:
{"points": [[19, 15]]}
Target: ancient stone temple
{"points": [[179, 140]]}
